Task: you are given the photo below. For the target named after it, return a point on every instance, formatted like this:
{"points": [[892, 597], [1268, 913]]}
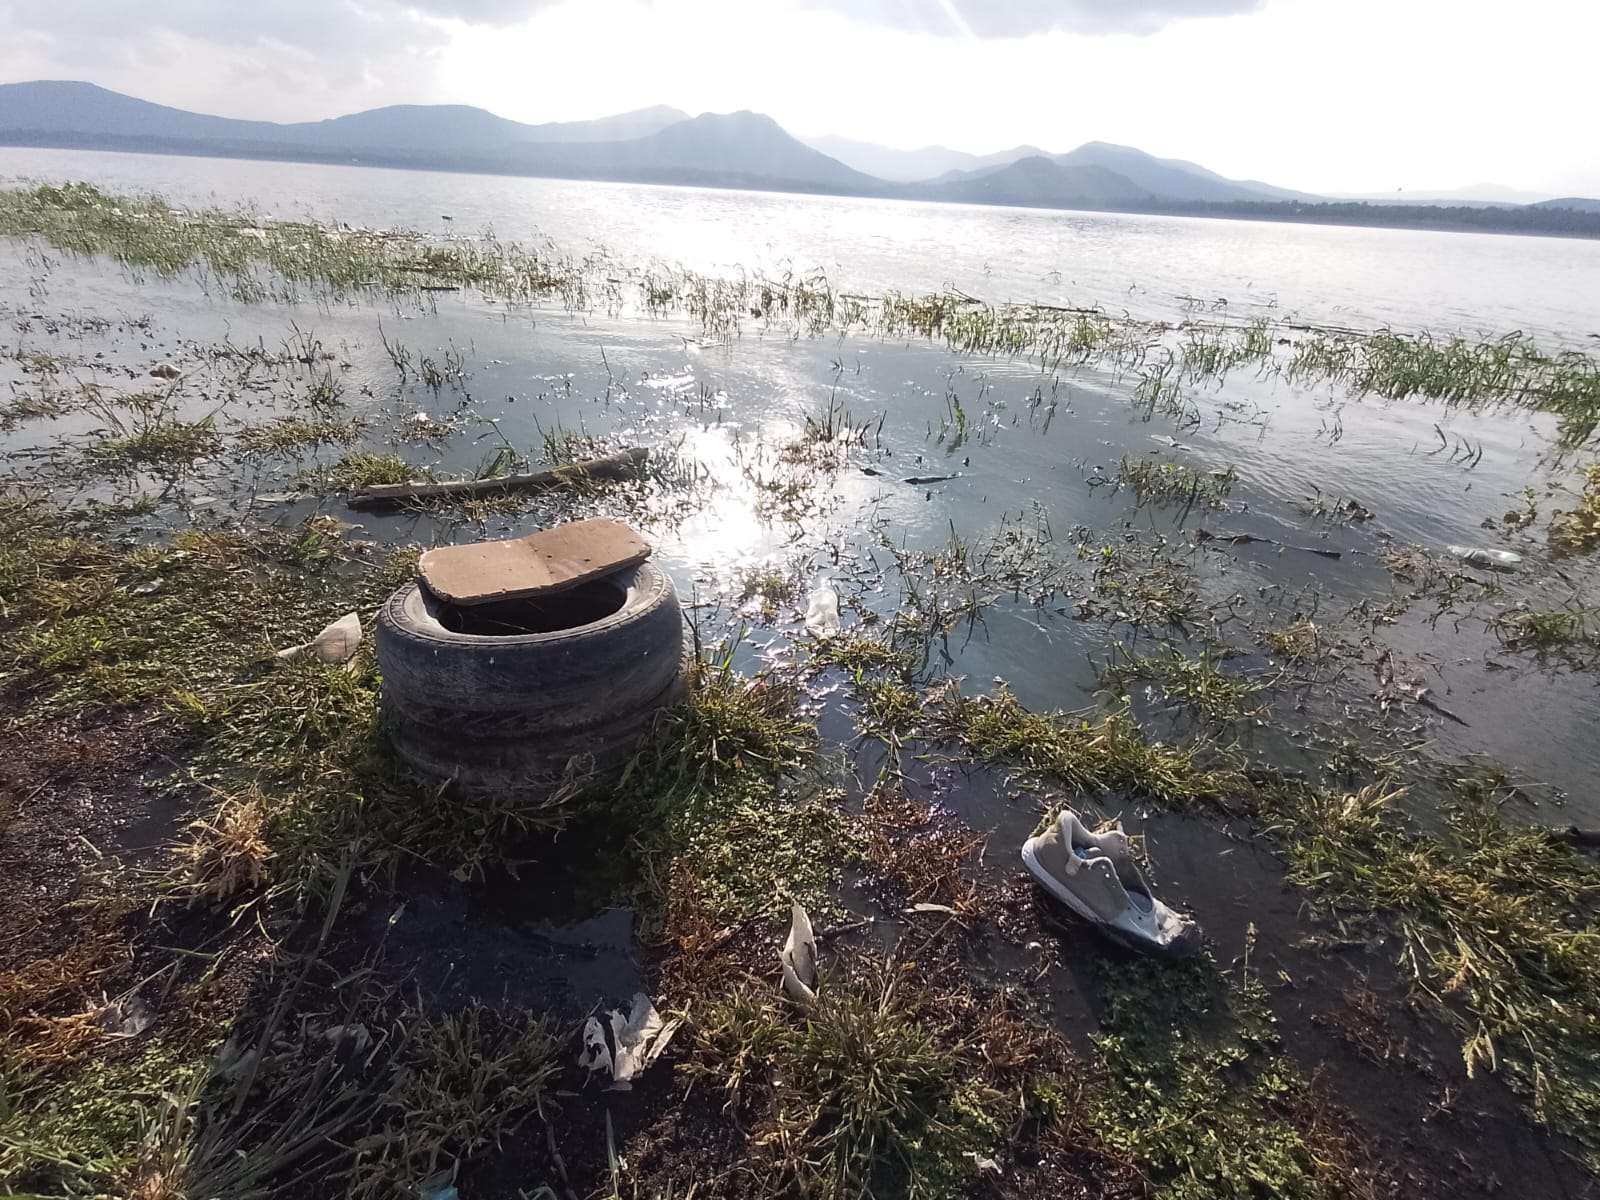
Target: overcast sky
{"points": [[1323, 95]]}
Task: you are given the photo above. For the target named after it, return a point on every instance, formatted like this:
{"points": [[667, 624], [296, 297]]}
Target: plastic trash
{"points": [[1483, 556], [337, 643], [1094, 875], [822, 610], [637, 1040], [799, 958]]}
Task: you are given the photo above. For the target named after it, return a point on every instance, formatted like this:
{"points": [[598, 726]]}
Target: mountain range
{"points": [[665, 145]]}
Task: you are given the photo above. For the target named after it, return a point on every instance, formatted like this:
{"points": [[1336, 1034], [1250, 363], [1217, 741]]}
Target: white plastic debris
{"points": [[337, 643], [822, 610], [799, 958], [1483, 556], [595, 1055], [636, 1041]]}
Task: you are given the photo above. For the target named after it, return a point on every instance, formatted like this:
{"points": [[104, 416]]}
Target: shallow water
{"points": [[1034, 472], [1145, 265]]}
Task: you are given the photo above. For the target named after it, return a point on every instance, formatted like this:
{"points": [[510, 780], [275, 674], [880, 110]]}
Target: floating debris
{"points": [[822, 610], [1487, 558]]}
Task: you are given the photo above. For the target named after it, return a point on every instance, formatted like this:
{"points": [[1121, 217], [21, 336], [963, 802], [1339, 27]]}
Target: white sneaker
{"points": [[1095, 876]]}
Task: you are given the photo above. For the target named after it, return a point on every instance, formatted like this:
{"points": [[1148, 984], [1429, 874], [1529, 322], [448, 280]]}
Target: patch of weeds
{"points": [[713, 809], [1196, 683], [163, 441], [289, 436], [1298, 643], [47, 1006], [362, 469], [768, 585], [929, 864], [1149, 595], [1578, 531], [889, 707], [83, 1131], [1194, 1090], [1542, 631], [730, 727], [228, 852], [857, 654], [867, 1094], [462, 1081], [1099, 754], [1172, 483]]}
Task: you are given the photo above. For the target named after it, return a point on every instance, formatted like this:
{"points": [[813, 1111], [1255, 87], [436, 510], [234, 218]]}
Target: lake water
{"points": [[1444, 282]]}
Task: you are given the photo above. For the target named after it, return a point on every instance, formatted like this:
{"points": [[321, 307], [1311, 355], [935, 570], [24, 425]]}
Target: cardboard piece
{"points": [[551, 560]]}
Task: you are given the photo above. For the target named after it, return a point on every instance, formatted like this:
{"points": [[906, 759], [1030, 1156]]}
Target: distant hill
{"points": [[731, 149], [83, 111], [742, 149], [912, 166], [1038, 181], [1172, 178]]}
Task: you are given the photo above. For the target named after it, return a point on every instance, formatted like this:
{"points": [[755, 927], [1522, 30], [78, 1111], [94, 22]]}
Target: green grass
{"points": [[463, 1081], [363, 469], [865, 1095], [1197, 683], [1496, 926], [1195, 1089], [1098, 754], [82, 1131]]}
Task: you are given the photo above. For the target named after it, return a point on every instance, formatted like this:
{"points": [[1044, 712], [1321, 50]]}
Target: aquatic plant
{"points": [[1578, 530]]}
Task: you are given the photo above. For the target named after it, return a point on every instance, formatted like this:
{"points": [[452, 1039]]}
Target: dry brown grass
{"points": [[229, 852], [47, 1007]]}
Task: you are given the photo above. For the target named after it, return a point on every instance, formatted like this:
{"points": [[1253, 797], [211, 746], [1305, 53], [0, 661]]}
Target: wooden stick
{"points": [[612, 466]]}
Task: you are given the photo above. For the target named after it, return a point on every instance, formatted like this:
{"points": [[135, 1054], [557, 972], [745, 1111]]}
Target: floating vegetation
{"points": [[1157, 482], [363, 469], [288, 436], [1578, 530], [1195, 683]]}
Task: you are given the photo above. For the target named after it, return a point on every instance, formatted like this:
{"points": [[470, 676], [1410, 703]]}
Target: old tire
{"points": [[497, 713]]}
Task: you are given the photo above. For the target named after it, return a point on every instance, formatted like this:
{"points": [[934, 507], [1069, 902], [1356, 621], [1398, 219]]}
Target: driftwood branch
{"points": [[612, 466]]}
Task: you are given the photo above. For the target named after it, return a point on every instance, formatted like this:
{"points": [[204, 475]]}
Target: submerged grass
{"points": [[1498, 930], [1196, 683], [1100, 754]]}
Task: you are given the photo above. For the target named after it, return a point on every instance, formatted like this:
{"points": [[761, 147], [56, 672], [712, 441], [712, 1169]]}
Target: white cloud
{"points": [[1022, 18]]}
